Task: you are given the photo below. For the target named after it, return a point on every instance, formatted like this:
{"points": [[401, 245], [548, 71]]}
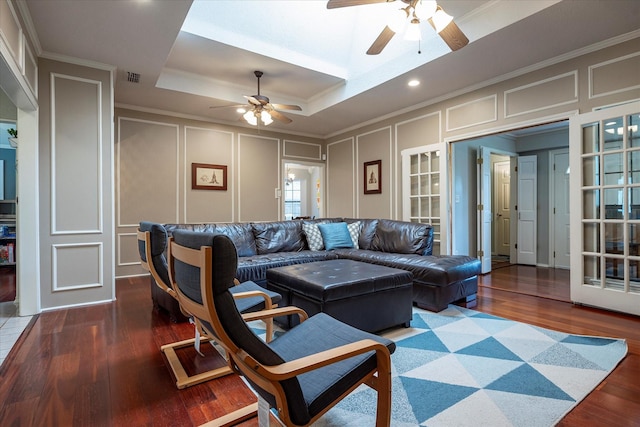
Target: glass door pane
{"points": [[424, 191]]}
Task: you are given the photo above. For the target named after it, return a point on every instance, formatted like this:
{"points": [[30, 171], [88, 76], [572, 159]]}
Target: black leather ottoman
{"points": [[367, 296]]}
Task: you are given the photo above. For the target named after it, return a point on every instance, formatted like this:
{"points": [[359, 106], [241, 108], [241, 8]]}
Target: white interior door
{"points": [[502, 206], [484, 209], [560, 235], [604, 155], [527, 205]]}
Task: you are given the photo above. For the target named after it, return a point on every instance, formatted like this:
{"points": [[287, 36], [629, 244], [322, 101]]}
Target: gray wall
{"points": [[550, 93], [154, 155]]}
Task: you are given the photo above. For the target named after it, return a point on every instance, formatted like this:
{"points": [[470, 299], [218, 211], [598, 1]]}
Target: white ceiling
{"points": [[194, 55]]}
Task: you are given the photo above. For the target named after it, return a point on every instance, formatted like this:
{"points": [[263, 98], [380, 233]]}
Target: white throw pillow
{"points": [[354, 231], [314, 237]]}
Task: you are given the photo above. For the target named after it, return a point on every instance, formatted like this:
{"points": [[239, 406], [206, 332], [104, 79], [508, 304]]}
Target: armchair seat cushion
{"points": [[322, 386]]}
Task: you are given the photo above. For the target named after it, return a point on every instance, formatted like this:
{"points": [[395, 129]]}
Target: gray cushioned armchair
{"points": [[302, 373]]}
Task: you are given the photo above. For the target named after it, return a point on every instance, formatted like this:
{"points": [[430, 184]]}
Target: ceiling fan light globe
{"points": [[413, 32], [425, 9], [397, 20], [266, 118], [250, 118], [241, 110], [441, 19]]}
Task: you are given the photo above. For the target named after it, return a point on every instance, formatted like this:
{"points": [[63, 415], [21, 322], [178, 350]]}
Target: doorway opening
{"points": [[302, 190], [501, 211]]}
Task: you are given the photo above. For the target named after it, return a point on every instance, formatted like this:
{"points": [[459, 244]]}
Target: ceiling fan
{"points": [[408, 18], [259, 107]]}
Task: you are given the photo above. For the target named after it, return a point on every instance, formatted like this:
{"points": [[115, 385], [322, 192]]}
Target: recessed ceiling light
{"points": [[413, 83]]}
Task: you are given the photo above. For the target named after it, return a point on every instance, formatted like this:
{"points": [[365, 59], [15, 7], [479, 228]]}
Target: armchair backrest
{"points": [[152, 244], [202, 268]]}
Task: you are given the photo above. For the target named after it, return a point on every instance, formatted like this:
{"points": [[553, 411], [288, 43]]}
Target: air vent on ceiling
{"points": [[133, 77]]}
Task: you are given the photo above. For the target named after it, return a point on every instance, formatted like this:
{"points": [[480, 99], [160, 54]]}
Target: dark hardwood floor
{"points": [[7, 283], [101, 365]]}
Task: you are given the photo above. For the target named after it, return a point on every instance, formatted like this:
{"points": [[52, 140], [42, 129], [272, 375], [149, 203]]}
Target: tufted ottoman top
{"points": [[337, 279]]}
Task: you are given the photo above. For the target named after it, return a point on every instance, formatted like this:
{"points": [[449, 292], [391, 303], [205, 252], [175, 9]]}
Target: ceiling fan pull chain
{"points": [[419, 51]]}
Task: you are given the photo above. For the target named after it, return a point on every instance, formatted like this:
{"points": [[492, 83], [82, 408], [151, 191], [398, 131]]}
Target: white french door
{"points": [[484, 209], [424, 190], [605, 201], [527, 210]]}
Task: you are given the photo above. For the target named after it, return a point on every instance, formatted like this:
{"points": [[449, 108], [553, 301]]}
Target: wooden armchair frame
{"points": [[268, 377], [183, 379]]}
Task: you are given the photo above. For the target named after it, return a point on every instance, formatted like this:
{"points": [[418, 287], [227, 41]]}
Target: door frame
{"points": [[552, 216], [485, 153], [322, 170], [481, 133], [494, 204]]}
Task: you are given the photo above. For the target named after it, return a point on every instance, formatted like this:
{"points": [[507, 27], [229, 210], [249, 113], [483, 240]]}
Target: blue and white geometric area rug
{"points": [[461, 367]]}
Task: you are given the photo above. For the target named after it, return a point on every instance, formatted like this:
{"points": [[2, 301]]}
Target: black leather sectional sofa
{"points": [[438, 280]]}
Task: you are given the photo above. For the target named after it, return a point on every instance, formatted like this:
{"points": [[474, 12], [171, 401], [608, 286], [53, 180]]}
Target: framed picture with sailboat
{"points": [[208, 177]]}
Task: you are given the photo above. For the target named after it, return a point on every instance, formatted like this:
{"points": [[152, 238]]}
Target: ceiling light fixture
{"points": [[251, 118], [407, 19], [413, 31], [441, 19], [413, 83]]}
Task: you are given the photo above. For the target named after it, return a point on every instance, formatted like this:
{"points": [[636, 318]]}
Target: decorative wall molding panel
{"points": [[614, 76], [147, 172], [541, 95], [301, 150], [208, 146], [472, 113], [76, 155], [77, 266]]}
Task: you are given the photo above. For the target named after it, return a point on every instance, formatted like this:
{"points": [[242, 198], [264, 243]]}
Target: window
{"points": [[292, 202]]}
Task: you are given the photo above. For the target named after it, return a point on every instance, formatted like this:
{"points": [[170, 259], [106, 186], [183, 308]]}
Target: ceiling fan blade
{"points": [[382, 40], [252, 100], [332, 4], [228, 106], [279, 116], [286, 107], [452, 36]]}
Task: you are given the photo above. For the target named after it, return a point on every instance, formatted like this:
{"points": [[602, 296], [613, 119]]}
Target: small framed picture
{"points": [[372, 181], [208, 177]]}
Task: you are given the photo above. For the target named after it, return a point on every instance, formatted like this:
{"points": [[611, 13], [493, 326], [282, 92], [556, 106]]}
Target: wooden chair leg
{"points": [[235, 417], [182, 378]]}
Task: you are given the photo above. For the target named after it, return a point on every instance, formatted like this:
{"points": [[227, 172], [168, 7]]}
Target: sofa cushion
{"points": [[255, 267], [436, 270], [241, 234], [335, 235], [278, 236], [401, 237]]}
